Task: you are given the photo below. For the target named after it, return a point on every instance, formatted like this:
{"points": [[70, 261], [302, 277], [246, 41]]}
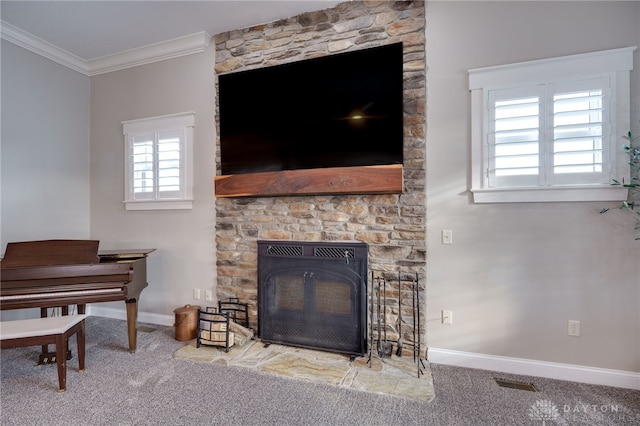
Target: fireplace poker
{"points": [[418, 314], [400, 342], [379, 326], [378, 315], [420, 363], [371, 325], [387, 347], [413, 312]]}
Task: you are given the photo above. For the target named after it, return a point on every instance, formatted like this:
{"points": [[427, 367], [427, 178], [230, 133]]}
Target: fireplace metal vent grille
{"points": [[334, 252], [282, 250]]}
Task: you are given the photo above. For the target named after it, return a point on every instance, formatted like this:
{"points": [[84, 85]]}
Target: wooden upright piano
{"points": [[58, 273]]}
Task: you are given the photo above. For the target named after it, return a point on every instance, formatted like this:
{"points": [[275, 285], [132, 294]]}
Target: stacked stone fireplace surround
{"points": [[393, 225]]}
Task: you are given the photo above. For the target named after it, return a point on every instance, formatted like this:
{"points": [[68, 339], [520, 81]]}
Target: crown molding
{"points": [[174, 48], [43, 48]]}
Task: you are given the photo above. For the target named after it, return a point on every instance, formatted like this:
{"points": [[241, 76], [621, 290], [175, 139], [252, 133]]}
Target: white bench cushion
{"points": [[38, 326]]}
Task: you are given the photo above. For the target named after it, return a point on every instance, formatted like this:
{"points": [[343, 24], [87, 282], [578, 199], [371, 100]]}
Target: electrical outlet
{"points": [[447, 236], [208, 295], [447, 317], [574, 328], [196, 294]]}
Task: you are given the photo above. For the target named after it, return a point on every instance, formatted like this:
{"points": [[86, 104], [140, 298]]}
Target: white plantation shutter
{"points": [[513, 144], [142, 173], [551, 129], [548, 134], [156, 165], [170, 182], [581, 131], [159, 162]]}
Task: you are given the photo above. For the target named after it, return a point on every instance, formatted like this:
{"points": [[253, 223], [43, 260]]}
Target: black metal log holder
{"points": [[238, 312], [382, 348], [213, 329]]}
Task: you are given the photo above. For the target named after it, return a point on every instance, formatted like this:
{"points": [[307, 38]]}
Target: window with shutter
{"points": [[159, 161], [546, 130]]}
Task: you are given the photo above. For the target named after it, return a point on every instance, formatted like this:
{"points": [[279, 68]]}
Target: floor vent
{"points": [[516, 385]]}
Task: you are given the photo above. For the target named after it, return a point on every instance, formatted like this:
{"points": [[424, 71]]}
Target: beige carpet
{"points": [[395, 376]]}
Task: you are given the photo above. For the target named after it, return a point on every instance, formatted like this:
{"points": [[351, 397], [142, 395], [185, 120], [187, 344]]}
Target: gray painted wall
{"points": [[516, 273], [44, 150], [184, 239]]}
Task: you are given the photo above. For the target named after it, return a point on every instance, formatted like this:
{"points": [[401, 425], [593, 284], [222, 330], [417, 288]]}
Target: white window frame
{"points": [[181, 124], [612, 65]]}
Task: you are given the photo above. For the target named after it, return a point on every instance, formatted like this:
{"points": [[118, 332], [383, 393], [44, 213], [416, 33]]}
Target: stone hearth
{"points": [[395, 376]]}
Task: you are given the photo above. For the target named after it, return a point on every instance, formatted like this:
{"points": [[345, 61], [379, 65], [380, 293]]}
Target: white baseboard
{"points": [[144, 317], [503, 364], [527, 367]]}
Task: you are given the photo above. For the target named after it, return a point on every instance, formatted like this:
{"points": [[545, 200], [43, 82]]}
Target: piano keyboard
{"points": [[60, 293]]}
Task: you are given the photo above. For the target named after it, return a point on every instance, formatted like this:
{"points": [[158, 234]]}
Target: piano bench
{"points": [[47, 331]]}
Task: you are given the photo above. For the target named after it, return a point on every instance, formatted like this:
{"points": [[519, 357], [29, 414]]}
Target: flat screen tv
{"points": [[340, 110]]}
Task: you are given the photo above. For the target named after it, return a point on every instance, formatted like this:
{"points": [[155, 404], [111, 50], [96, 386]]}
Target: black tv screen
{"points": [[339, 110]]}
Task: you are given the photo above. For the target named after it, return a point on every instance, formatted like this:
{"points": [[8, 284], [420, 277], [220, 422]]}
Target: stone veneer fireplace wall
{"points": [[392, 224]]}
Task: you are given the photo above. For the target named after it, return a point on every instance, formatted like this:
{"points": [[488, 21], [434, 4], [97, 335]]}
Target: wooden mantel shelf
{"points": [[387, 179]]}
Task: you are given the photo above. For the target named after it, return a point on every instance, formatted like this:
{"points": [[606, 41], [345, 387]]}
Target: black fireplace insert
{"points": [[313, 295]]}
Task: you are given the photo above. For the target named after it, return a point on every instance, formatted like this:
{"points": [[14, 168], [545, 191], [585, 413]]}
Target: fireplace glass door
{"points": [[314, 302]]}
